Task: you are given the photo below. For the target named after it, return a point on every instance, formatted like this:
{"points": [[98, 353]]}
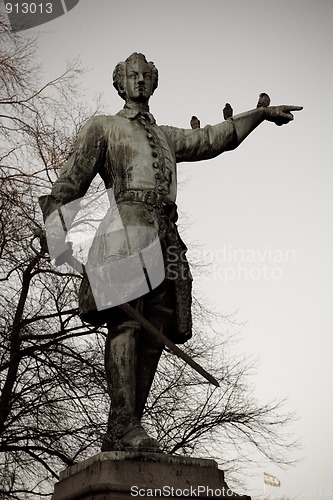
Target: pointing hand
{"points": [[281, 115]]}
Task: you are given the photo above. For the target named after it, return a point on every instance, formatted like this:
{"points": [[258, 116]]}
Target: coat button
{"points": [[158, 175], [154, 154], [156, 164]]}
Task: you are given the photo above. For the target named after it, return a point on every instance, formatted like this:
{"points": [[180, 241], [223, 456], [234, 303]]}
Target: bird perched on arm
{"points": [[264, 100], [227, 111], [195, 122]]}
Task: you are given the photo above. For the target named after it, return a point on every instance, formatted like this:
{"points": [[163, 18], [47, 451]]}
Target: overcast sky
{"points": [[263, 212]]}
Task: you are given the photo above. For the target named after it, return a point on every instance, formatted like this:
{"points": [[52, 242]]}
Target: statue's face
{"points": [[139, 82]]}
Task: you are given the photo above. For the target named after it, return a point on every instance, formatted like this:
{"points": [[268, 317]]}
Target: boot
{"points": [[124, 429]]}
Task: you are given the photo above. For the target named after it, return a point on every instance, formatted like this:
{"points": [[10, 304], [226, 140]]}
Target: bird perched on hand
{"points": [[264, 100], [195, 122], [227, 111]]}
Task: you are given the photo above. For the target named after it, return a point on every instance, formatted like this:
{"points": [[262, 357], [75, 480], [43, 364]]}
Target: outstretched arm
{"points": [[246, 122], [212, 140]]}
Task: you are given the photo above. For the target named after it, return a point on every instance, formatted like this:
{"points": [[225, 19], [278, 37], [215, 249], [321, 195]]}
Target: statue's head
{"points": [[135, 79]]}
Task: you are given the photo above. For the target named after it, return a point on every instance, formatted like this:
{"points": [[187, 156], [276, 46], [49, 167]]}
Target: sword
{"points": [[67, 256]]}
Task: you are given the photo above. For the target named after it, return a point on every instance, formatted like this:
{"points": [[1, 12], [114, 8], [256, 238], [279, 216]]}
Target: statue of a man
{"points": [[138, 159]]}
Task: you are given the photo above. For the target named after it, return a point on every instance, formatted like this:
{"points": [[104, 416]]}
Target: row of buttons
{"points": [[156, 165]]}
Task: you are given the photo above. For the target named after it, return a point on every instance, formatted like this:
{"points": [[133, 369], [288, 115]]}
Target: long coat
{"points": [[137, 159]]}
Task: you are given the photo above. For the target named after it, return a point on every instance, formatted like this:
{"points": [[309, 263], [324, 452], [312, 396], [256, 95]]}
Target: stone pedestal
{"points": [[128, 475]]}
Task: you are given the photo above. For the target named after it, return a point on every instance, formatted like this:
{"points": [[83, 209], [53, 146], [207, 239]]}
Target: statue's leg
{"points": [[124, 429], [159, 310], [149, 353]]}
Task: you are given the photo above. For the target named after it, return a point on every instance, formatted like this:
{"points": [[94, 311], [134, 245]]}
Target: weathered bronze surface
{"points": [[138, 159]]}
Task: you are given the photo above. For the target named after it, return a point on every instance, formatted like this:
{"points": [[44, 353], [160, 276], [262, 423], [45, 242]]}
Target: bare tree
{"points": [[53, 400], [191, 417], [45, 373]]}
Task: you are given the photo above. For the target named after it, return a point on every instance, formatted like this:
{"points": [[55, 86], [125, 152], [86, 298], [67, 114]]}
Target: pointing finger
{"points": [[293, 108]]}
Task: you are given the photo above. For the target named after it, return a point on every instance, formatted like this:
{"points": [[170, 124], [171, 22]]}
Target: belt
{"points": [[144, 196]]}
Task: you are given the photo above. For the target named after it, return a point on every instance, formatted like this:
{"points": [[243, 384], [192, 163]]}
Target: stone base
{"points": [[119, 475]]}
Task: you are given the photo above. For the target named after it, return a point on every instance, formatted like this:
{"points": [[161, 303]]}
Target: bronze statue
{"points": [[138, 159]]}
